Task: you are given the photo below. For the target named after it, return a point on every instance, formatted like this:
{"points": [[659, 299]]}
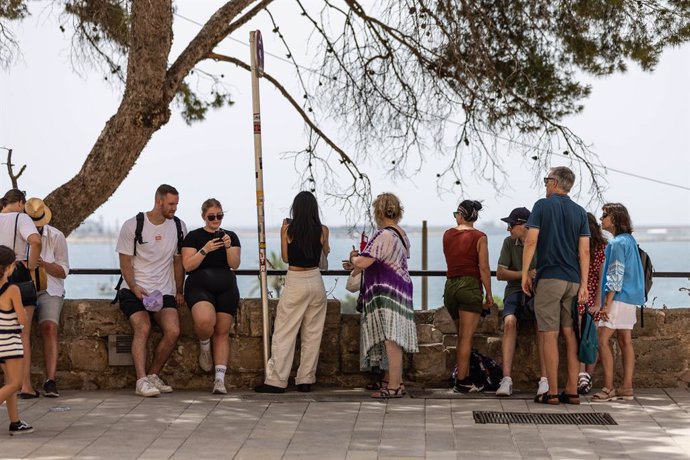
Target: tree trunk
{"points": [[149, 91], [141, 113]]}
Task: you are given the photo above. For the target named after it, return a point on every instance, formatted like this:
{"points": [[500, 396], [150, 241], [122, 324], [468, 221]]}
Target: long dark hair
{"points": [[305, 228], [596, 238], [12, 196], [620, 216], [7, 258]]}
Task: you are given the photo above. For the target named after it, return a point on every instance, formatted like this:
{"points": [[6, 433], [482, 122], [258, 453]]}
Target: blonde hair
{"points": [[387, 206]]}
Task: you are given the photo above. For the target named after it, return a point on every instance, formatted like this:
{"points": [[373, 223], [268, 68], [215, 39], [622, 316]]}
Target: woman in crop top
{"points": [[302, 303], [467, 258], [209, 255]]}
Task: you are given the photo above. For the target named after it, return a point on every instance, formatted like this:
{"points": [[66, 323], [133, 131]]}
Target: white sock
{"points": [[205, 344], [220, 372]]}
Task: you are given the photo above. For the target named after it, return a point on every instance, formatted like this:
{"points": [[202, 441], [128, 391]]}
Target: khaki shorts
{"points": [[462, 293], [553, 302]]}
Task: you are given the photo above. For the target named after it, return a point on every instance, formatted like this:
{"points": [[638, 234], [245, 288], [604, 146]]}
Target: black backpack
{"points": [[648, 272], [139, 239], [485, 371]]}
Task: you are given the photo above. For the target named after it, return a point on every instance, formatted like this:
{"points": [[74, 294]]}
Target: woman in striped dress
{"points": [[12, 319], [387, 324]]}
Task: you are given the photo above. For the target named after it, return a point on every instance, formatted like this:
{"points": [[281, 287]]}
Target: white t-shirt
{"points": [[153, 264], [54, 250], [25, 227]]}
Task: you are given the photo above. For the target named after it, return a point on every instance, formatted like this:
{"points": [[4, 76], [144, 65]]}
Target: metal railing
{"points": [[416, 273]]}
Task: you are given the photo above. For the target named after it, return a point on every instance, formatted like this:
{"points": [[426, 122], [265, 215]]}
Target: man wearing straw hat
{"points": [[49, 277]]}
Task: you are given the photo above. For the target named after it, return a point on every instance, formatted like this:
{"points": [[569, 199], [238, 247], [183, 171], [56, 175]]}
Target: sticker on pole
{"points": [[259, 53]]}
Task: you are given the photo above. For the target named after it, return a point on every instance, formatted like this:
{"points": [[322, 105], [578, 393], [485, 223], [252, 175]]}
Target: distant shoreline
{"points": [[642, 234]]}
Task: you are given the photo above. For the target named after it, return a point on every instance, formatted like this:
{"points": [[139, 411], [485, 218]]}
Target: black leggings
{"points": [[215, 285]]}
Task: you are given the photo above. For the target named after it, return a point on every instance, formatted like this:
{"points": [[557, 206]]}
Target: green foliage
{"points": [[194, 109], [102, 20], [13, 9]]}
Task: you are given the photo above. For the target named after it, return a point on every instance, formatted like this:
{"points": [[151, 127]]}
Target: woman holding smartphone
{"points": [[209, 255], [302, 304]]}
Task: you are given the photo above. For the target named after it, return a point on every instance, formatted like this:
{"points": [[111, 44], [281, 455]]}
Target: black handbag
{"points": [[21, 277]]}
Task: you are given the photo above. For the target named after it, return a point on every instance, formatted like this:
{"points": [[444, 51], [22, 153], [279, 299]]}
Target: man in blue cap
{"points": [[516, 304]]}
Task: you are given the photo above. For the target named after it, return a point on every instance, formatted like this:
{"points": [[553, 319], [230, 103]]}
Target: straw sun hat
{"points": [[38, 211]]}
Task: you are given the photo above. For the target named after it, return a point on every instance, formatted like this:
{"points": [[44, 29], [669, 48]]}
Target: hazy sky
{"points": [[51, 115]]}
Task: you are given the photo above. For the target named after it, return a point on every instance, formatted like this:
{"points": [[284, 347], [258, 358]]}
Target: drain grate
{"points": [[580, 418]]}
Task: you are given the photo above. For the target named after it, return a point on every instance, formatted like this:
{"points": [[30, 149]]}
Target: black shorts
{"points": [[130, 303], [215, 285]]}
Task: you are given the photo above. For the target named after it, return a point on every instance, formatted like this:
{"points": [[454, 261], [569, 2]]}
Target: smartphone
{"points": [[288, 220], [219, 234]]}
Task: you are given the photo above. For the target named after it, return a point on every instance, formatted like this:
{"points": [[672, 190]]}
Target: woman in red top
{"points": [[597, 245], [467, 258]]}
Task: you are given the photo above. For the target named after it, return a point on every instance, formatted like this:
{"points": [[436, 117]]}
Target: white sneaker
{"points": [[146, 388], [219, 387], [205, 359], [506, 387], [159, 384], [543, 386]]}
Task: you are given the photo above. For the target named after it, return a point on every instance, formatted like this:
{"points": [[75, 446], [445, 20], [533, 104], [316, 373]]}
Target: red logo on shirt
{"points": [[159, 237]]}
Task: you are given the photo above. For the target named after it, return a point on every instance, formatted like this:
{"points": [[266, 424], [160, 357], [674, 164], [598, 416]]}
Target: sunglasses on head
{"points": [[212, 217]]}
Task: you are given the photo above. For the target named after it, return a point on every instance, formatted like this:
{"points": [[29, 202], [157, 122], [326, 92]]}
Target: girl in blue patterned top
{"points": [[387, 324], [623, 291], [12, 320]]}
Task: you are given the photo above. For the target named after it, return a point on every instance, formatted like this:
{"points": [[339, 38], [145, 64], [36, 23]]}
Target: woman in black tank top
{"points": [[302, 303]]}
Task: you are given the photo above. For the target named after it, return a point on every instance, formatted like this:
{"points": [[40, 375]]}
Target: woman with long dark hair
{"points": [[209, 255], [622, 293], [18, 232], [467, 257], [597, 246], [302, 304]]}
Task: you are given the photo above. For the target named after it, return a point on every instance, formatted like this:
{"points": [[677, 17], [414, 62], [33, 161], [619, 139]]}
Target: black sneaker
{"points": [[264, 388], [466, 386], [304, 387], [20, 427], [50, 389]]}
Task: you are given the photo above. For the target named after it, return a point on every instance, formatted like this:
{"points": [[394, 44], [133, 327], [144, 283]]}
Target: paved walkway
{"points": [[339, 424]]}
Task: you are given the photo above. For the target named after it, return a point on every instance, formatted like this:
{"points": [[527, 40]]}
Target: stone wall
{"points": [[662, 348]]}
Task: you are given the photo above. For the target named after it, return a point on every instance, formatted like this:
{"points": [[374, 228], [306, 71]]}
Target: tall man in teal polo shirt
{"points": [[559, 233]]}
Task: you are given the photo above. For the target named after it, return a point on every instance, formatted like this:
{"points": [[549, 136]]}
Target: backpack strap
{"points": [[180, 236], [138, 231]]}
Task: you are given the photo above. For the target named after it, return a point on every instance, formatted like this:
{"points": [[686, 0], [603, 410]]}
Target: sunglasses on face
{"points": [[547, 179], [212, 217], [455, 214], [604, 215]]}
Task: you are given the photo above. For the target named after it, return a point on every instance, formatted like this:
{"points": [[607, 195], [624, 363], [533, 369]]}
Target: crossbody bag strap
{"points": [[14, 241], [402, 240]]}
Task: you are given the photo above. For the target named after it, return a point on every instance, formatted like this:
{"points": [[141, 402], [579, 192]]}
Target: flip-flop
{"points": [[33, 395]]}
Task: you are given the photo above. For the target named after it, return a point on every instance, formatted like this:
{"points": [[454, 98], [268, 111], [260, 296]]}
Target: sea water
{"points": [[667, 256]]}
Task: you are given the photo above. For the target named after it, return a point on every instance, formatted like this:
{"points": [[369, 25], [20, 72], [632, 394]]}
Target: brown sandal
{"points": [[626, 395], [605, 395], [546, 398], [569, 399]]}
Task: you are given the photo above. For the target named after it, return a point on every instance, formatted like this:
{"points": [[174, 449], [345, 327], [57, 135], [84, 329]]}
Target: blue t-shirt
{"points": [[561, 223], [623, 272]]}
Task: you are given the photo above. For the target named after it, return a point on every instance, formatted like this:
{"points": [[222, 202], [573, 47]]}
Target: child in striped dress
{"points": [[12, 320]]}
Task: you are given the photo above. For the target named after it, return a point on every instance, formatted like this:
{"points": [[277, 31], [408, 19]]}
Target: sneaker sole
{"points": [[152, 395], [218, 392], [19, 433], [51, 395]]}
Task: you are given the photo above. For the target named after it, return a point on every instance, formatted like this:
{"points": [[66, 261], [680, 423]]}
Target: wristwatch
{"points": [[202, 252]]}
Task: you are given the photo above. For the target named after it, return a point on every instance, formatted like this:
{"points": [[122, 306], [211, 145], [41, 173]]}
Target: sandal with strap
{"points": [[565, 398], [546, 398], [388, 393], [625, 394], [605, 395]]}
